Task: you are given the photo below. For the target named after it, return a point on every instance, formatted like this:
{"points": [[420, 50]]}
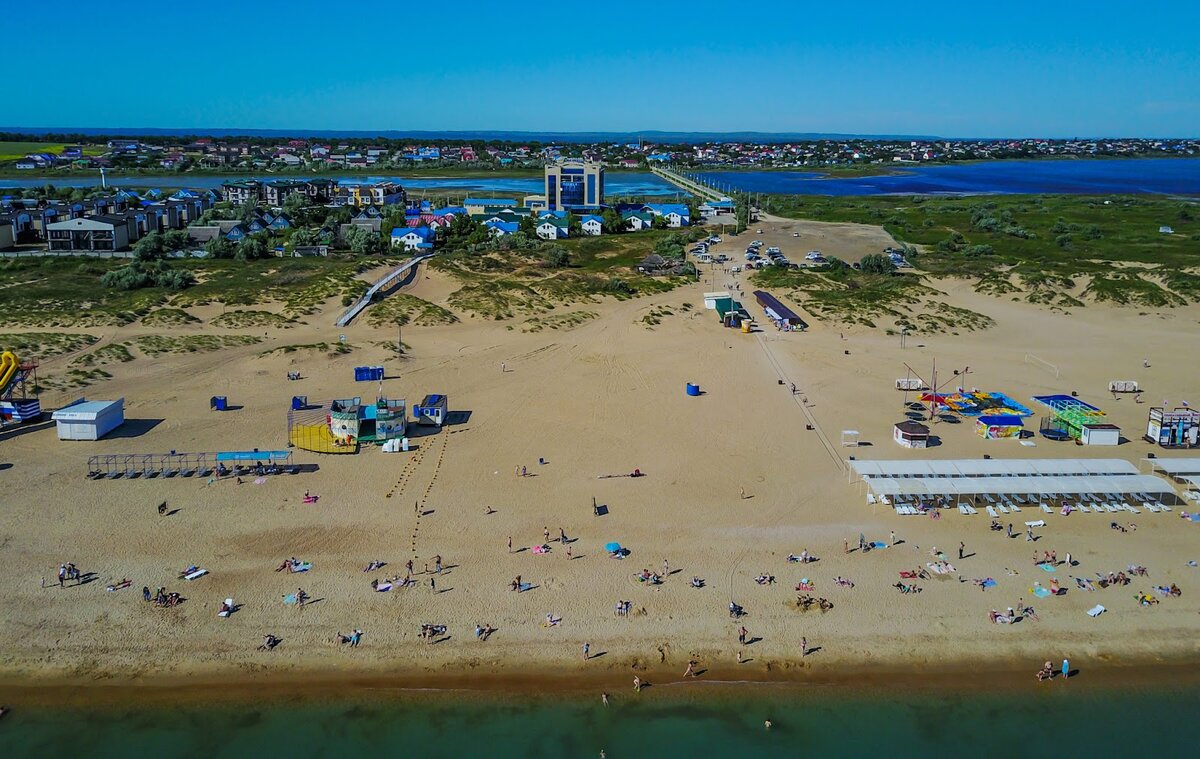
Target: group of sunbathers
{"points": [[803, 558], [1172, 591], [1113, 578], [697, 582], [353, 638], [1115, 525], [842, 582], [765, 579], [806, 602], [291, 565], [917, 573], [996, 617], [430, 633], [622, 608], [484, 632], [910, 588], [161, 597], [649, 577]]}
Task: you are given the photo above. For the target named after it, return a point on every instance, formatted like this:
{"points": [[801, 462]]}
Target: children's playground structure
{"points": [[18, 390], [1071, 418], [166, 465], [339, 426]]}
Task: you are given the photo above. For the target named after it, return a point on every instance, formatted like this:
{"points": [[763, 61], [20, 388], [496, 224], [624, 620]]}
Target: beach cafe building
{"points": [[1018, 478]]}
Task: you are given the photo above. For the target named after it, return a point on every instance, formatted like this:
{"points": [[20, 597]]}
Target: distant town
{"points": [[311, 216], [65, 153]]}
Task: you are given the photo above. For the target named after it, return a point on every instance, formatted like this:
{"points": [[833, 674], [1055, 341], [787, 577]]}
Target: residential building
{"points": [[637, 221], [501, 228], [8, 237], [553, 228], [412, 238], [592, 225], [573, 183], [239, 193], [676, 214], [90, 233], [475, 206]]}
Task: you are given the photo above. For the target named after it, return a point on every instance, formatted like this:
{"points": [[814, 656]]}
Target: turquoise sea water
{"points": [[1060, 719]]}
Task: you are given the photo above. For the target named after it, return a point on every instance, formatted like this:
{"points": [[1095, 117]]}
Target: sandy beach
{"points": [[734, 482]]}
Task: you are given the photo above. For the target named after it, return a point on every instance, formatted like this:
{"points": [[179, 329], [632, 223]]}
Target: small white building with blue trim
{"points": [[432, 410]]}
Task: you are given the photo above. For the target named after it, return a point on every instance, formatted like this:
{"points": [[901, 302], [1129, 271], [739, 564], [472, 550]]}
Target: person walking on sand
{"points": [[803, 647], [637, 684], [666, 568], [62, 574], [845, 545], [510, 543], [433, 584], [587, 651], [1010, 532], [743, 494], [742, 635], [545, 534], [961, 548], [604, 698], [1028, 534], [569, 557], [739, 656], [691, 669], [1066, 669], [562, 536], [893, 538]]}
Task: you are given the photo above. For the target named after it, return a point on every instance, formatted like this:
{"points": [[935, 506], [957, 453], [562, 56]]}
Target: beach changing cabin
{"points": [[432, 410], [1100, 434], [911, 434], [89, 420]]}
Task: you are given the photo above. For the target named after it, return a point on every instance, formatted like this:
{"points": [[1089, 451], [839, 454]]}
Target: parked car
{"points": [[813, 255]]}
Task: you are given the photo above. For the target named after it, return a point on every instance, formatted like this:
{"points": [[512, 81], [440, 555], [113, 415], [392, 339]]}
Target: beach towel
{"points": [[1047, 567], [290, 599], [1096, 611], [302, 566], [226, 613], [195, 574], [878, 544], [1041, 592], [1038, 523], [383, 587], [989, 583], [540, 549]]}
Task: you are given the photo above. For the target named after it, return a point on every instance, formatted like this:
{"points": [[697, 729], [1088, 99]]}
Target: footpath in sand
{"points": [[734, 483]]}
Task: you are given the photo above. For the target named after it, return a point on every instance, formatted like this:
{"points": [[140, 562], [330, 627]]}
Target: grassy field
{"points": [[12, 151], [1038, 246], [891, 302], [67, 291]]}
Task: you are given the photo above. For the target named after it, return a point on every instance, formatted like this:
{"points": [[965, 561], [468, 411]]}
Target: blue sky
{"points": [[1019, 68]]}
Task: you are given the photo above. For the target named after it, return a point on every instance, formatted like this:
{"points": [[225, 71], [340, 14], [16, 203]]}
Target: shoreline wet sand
{"points": [[992, 677]]}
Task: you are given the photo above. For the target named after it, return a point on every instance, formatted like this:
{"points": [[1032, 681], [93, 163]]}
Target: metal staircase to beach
{"points": [[381, 285]]}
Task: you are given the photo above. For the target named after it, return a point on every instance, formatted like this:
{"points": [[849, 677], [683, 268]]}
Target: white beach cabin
{"points": [[89, 420]]}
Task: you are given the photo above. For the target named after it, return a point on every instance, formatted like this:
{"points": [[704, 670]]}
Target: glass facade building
{"points": [[574, 184]]}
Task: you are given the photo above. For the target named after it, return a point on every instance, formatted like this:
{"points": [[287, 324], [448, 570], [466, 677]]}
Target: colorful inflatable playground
{"points": [[977, 403], [18, 383], [340, 425]]}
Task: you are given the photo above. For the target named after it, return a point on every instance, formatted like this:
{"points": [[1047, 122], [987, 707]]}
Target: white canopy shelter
{"points": [[1019, 485], [1192, 479], [1176, 466], [993, 468]]}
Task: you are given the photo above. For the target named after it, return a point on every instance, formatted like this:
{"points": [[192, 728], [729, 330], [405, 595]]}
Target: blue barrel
{"points": [[693, 389], [219, 403], [299, 402]]}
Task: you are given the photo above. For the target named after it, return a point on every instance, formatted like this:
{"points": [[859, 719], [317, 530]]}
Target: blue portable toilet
{"points": [[218, 403], [299, 402]]}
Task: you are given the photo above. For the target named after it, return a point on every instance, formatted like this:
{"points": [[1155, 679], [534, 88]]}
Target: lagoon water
{"points": [[1052, 720], [1169, 176]]}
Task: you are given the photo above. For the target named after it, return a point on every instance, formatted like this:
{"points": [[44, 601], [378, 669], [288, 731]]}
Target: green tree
{"points": [[876, 263], [219, 247], [250, 249], [611, 222], [149, 248]]}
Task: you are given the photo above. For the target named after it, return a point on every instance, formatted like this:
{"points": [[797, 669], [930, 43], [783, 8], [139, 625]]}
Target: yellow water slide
{"points": [[9, 364]]}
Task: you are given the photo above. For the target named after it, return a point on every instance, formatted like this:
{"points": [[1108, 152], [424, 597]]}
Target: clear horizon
{"points": [[947, 71]]}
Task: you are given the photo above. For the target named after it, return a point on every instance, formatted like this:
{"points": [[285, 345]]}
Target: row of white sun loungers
{"points": [[995, 510]]}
